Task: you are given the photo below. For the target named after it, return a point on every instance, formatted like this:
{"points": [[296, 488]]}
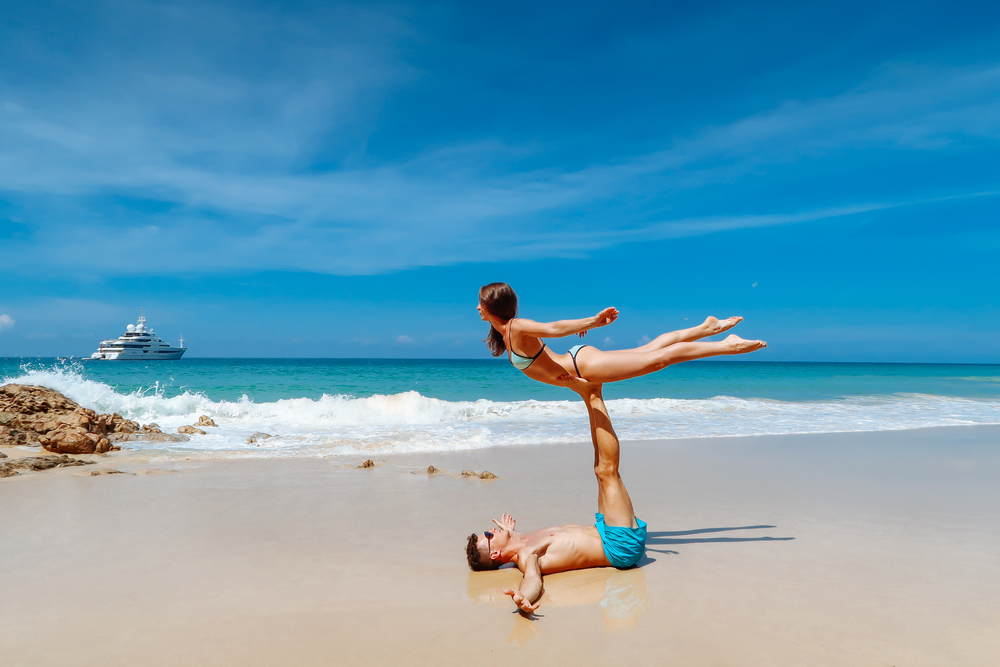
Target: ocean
{"points": [[381, 407]]}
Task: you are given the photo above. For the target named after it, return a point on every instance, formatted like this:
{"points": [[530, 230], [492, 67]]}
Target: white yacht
{"points": [[138, 344]]}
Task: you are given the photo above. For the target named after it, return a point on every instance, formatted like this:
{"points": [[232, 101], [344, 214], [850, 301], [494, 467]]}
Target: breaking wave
{"points": [[408, 422]]}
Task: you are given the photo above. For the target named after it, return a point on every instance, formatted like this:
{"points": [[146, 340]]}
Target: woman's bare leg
{"points": [[710, 327], [599, 366]]}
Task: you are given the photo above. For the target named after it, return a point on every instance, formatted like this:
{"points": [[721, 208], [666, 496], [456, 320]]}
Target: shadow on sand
{"points": [[666, 537]]}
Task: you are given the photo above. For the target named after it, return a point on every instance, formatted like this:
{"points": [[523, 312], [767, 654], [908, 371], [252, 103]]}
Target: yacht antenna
{"points": [[182, 339], [142, 316]]}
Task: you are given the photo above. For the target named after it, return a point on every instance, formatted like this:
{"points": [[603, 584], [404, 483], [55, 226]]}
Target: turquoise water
{"points": [[496, 380], [383, 406]]}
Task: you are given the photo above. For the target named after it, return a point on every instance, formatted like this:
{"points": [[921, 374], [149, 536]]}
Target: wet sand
{"points": [[842, 549]]}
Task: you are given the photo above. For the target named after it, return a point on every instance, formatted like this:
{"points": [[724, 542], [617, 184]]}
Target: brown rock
{"points": [[205, 420], [102, 425], [259, 437], [486, 474], [13, 438], [2, 455], [191, 430], [153, 436], [9, 468], [69, 440], [123, 425], [19, 403], [470, 473], [431, 470], [151, 428], [367, 464], [106, 471]]}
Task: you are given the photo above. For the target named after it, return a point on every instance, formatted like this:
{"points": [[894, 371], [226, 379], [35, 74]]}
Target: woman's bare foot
{"points": [[716, 326], [740, 346]]}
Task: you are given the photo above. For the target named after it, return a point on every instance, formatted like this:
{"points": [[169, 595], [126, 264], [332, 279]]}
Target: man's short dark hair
{"points": [[476, 558]]}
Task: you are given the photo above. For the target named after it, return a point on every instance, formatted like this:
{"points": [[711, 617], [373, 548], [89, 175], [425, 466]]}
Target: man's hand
{"points": [[521, 602], [506, 522]]}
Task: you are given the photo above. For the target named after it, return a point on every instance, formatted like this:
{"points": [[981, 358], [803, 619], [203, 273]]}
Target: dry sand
{"points": [[843, 549]]}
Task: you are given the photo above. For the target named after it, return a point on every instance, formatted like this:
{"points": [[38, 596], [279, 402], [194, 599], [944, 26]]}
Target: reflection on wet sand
{"points": [[621, 595]]}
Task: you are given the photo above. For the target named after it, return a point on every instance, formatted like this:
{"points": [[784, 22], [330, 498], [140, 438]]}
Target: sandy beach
{"points": [[837, 549]]}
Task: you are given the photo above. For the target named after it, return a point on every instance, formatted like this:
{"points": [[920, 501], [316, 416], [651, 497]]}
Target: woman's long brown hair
{"points": [[501, 302]]}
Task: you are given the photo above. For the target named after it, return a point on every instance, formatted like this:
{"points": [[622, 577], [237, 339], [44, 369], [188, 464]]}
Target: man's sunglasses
{"points": [[489, 536]]}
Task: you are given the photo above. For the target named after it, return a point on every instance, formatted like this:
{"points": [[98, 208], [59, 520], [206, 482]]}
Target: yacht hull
{"points": [[114, 356]]}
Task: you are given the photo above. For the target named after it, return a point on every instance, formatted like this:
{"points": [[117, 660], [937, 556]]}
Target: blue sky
{"points": [[337, 179]]}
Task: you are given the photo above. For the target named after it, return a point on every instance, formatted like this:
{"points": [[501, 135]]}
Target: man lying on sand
{"points": [[618, 538]]}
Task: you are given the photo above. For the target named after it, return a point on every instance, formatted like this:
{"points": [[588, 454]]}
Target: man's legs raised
{"points": [[612, 498]]}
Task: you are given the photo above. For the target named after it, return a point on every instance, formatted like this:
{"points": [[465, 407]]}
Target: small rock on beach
{"points": [[259, 437], [191, 430], [431, 470], [205, 420], [367, 464], [486, 474]]}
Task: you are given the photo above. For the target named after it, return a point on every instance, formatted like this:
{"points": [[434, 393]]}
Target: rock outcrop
{"points": [[190, 430], [37, 416], [10, 467], [205, 420], [259, 437]]}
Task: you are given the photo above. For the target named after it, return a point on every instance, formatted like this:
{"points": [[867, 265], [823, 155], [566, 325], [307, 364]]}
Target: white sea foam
{"points": [[409, 422]]}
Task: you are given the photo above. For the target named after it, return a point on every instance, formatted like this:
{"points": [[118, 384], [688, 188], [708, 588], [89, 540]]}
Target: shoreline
{"points": [[132, 456], [892, 559]]}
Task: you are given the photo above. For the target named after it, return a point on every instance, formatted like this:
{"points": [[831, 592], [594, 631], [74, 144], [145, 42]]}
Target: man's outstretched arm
{"points": [[531, 586]]}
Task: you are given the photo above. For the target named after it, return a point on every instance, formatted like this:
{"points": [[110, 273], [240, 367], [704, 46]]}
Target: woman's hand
{"points": [[605, 317]]}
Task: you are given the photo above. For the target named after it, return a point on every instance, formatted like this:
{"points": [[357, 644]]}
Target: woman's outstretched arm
{"points": [[565, 327]]}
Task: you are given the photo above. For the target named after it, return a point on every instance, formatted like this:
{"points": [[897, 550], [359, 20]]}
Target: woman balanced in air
{"points": [[522, 341]]}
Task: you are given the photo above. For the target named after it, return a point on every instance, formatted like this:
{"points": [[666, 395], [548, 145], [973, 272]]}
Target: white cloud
{"points": [[404, 339], [642, 341], [6, 321], [608, 341], [754, 284]]}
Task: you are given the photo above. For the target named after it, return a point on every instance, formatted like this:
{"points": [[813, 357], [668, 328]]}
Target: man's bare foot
{"points": [[716, 326], [740, 346], [581, 386]]}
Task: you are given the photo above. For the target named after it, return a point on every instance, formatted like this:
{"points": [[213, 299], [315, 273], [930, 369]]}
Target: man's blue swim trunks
{"points": [[623, 546]]}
